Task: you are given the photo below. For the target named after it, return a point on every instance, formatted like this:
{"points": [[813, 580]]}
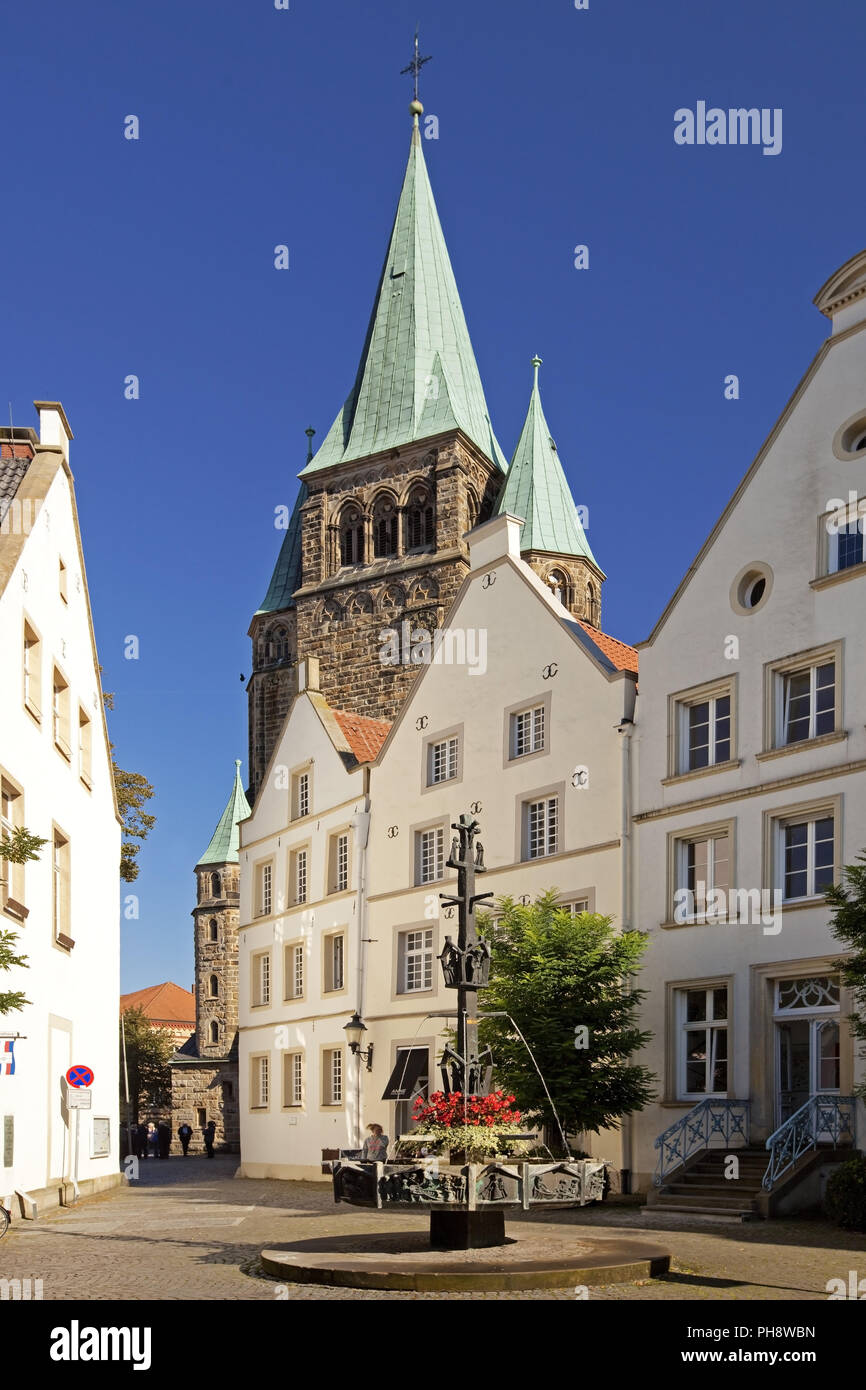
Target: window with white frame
{"points": [[261, 1082], [32, 671], [61, 879], [415, 960], [575, 906], [264, 878], [704, 735], [11, 875], [429, 854], [294, 968], [301, 795], [60, 710], [806, 703], [702, 1035], [540, 827], [299, 872], [293, 1079], [442, 761], [338, 863], [703, 866], [334, 948], [527, 731], [844, 530], [332, 1076], [261, 978], [805, 855]]}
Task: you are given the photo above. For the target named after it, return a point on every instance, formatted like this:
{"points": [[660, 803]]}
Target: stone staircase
{"points": [[701, 1188]]}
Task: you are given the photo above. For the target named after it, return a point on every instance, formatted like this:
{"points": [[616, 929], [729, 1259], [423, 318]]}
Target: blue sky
{"points": [[260, 127]]}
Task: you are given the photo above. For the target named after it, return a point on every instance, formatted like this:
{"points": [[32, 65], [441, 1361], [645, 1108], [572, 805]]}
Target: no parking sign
{"points": [[79, 1076]]}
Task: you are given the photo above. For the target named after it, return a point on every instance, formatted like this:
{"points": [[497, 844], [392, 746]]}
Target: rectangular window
{"points": [[293, 1079], [264, 876], [62, 581], [300, 795], [808, 856], [338, 863], [332, 1075], [334, 947], [540, 827], [261, 978], [61, 714], [32, 671], [849, 547], [441, 761], [707, 733], [844, 536], [11, 875], [527, 731], [576, 906], [60, 894], [261, 1082], [703, 1041], [808, 703], [85, 747], [429, 854], [703, 867], [415, 961], [299, 875], [294, 968]]}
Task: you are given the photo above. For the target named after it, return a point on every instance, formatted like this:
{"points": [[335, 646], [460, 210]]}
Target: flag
{"points": [[7, 1057]]}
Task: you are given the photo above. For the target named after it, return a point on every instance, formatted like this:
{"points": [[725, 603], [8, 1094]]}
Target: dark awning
{"points": [[411, 1066]]}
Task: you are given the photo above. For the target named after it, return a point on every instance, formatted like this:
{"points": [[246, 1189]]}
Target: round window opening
{"points": [[751, 588], [850, 438]]}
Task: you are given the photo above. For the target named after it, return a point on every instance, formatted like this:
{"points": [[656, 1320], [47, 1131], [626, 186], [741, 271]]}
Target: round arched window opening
{"points": [[214, 929], [752, 588], [214, 987], [214, 1032]]}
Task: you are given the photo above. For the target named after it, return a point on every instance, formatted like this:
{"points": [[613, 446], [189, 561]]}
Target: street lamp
{"points": [[355, 1030]]}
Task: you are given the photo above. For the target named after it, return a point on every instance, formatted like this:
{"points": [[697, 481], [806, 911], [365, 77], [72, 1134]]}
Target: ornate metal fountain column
{"points": [[466, 966]]}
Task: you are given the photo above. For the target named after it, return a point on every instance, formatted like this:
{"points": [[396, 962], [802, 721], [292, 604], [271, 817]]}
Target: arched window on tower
{"points": [[279, 645], [214, 1031], [419, 519], [214, 987], [351, 536], [215, 885], [214, 929], [558, 582], [592, 613], [384, 528], [472, 507]]}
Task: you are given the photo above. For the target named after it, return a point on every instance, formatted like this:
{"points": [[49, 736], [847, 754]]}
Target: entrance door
{"points": [[808, 1061]]}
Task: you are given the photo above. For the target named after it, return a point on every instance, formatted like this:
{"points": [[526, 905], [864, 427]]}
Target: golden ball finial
{"points": [[416, 108]]}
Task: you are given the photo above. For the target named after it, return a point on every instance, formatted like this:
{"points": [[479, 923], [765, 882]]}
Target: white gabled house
{"points": [[56, 780]]}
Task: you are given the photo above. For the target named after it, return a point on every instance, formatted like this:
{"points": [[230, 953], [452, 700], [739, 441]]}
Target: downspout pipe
{"points": [[625, 728], [361, 828]]}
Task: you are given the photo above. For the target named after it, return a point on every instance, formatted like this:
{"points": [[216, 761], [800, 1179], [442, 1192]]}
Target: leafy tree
{"points": [[147, 1052], [17, 848], [133, 791], [554, 974], [848, 923]]}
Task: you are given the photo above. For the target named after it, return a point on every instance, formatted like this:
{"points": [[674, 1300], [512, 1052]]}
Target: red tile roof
{"points": [[623, 656], [166, 1003], [364, 736]]}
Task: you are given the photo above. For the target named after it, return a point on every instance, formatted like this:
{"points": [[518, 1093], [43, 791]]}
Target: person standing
{"points": [[163, 1133], [184, 1134], [141, 1140], [152, 1139], [208, 1132], [375, 1148]]}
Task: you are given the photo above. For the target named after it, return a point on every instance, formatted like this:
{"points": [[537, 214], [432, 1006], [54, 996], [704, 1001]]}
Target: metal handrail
{"points": [[820, 1114], [713, 1118]]}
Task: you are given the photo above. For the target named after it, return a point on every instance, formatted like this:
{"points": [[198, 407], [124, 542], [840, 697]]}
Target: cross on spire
{"points": [[416, 65]]}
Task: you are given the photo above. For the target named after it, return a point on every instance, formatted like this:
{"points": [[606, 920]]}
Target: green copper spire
{"points": [[536, 488], [417, 374], [223, 848], [286, 577]]}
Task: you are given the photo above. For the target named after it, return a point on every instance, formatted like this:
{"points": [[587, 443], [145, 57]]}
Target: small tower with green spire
{"points": [[553, 541]]}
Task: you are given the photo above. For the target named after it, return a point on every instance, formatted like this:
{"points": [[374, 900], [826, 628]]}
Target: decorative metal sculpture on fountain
{"points": [[467, 1201]]}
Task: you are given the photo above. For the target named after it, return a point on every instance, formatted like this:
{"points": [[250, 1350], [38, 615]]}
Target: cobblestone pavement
{"points": [[189, 1230]]}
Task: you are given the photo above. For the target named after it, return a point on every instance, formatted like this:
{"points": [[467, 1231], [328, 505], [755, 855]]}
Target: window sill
{"points": [[85, 781], [695, 922], [16, 910], [63, 749], [64, 941], [796, 904], [33, 710], [690, 776], [800, 747], [825, 581]]}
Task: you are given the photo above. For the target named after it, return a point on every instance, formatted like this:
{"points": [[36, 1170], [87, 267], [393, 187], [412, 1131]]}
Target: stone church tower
{"points": [[377, 537], [205, 1069]]}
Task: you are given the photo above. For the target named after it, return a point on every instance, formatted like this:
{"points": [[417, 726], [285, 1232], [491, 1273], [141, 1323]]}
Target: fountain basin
{"points": [[428, 1182]]}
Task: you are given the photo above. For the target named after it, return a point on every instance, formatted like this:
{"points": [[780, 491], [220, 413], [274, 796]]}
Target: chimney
{"points": [[308, 673], [54, 428], [494, 539]]}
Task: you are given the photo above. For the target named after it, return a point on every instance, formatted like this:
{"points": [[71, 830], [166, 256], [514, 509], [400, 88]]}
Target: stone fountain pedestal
{"points": [[467, 1230]]}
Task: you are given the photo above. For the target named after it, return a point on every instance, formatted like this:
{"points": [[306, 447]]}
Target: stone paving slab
{"points": [[190, 1230]]}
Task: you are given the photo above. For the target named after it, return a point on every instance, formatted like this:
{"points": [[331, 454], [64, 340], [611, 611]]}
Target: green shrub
{"points": [[845, 1200]]}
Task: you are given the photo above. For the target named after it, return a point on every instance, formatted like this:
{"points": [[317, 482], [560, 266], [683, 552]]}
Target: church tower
{"points": [[205, 1070], [552, 541], [410, 464]]}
